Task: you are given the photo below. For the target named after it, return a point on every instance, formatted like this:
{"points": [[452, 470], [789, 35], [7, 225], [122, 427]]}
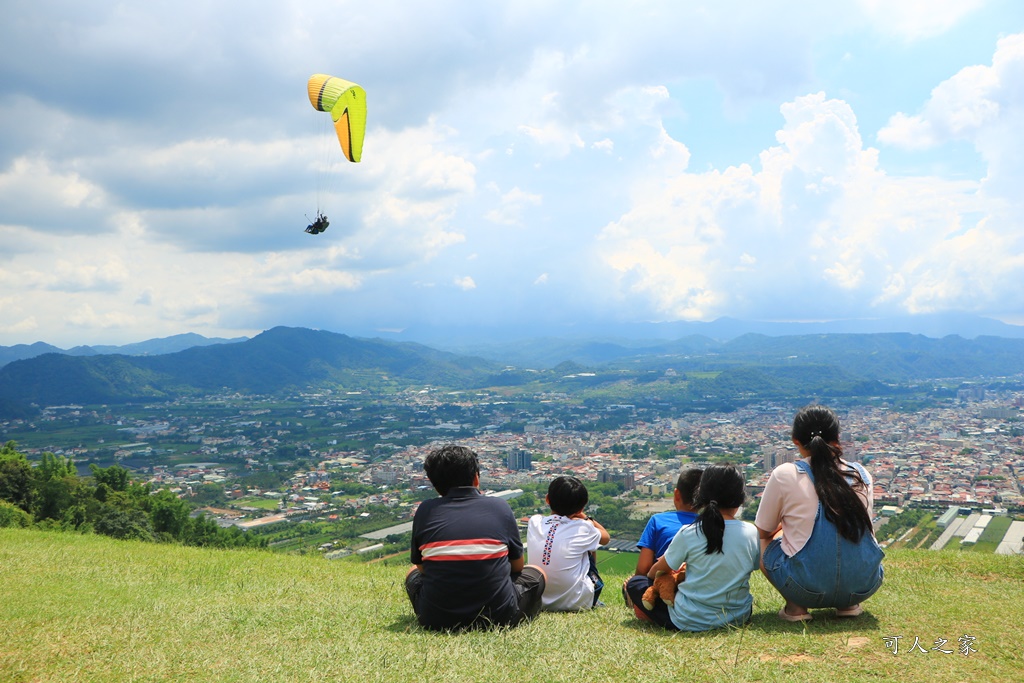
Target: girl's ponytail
{"points": [[721, 487], [712, 525]]}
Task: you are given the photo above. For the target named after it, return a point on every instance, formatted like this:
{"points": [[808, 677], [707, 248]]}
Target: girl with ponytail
{"points": [[717, 553], [817, 543]]}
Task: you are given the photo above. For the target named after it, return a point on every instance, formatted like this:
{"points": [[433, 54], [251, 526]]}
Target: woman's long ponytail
{"points": [[817, 429]]}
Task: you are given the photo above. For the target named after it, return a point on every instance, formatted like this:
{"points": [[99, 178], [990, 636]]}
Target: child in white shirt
{"points": [[563, 544]]}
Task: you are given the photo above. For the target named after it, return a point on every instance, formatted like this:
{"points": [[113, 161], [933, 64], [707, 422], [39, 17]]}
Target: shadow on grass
{"points": [[407, 624], [824, 621]]}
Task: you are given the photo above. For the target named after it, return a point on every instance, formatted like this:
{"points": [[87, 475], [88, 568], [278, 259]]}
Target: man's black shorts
{"points": [[529, 586]]}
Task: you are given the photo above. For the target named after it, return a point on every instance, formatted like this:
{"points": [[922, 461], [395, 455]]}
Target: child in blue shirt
{"points": [[663, 527], [718, 552]]}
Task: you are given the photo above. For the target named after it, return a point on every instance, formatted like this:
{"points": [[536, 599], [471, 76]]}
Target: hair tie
{"points": [[713, 502], [816, 433]]}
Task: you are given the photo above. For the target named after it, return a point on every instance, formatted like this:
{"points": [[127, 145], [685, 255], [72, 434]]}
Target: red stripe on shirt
{"points": [[464, 549]]}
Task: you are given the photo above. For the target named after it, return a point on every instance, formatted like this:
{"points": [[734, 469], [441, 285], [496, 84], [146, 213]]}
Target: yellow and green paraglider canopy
{"points": [[346, 103]]}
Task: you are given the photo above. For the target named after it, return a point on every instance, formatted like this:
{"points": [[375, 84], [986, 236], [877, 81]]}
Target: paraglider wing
{"points": [[346, 102]]}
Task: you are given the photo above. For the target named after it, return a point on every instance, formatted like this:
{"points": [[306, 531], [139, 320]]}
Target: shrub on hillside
{"points": [[13, 516], [124, 524], [108, 503]]}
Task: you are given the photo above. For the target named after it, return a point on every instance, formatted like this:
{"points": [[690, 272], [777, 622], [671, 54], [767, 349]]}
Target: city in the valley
{"points": [[341, 473]]}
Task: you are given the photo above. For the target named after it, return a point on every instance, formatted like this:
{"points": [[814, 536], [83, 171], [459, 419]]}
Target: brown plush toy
{"points": [[664, 587]]}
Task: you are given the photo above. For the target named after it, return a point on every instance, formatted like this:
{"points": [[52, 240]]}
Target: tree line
{"points": [[53, 496]]}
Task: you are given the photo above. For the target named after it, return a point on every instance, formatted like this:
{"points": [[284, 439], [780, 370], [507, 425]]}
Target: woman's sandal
{"points": [[786, 616], [851, 611]]}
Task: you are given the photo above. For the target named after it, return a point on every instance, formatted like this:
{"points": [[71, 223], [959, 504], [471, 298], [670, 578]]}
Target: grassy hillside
{"points": [[89, 608]]}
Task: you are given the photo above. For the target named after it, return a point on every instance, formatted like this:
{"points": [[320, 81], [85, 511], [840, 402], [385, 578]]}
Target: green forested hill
{"points": [[277, 360], [90, 608]]}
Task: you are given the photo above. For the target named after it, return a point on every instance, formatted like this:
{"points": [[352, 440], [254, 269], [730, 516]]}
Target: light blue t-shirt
{"points": [[716, 591]]}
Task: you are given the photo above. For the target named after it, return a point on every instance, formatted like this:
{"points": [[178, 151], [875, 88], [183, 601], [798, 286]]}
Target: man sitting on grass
{"points": [[469, 567]]}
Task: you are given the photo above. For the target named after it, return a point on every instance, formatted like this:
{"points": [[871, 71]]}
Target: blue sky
{"points": [[525, 164]]}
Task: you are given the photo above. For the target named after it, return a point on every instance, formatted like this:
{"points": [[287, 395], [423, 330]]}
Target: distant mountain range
{"points": [[277, 360], [497, 341], [292, 359], [549, 345], [883, 356], [152, 347]]}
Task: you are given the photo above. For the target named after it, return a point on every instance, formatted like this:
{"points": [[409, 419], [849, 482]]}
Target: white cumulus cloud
{"points": [[465, 283], [818, 229]]}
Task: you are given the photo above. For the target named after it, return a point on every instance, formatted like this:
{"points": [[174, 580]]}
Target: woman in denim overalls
{"points": [[826, 554]]}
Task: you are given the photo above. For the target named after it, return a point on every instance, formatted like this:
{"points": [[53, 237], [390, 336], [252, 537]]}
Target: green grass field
{"points": [[616, 563], [992, 535], [270, 504], [89, 608]]}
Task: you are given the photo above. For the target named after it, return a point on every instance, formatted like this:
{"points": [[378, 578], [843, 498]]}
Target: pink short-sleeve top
{"points": [[789, 499]]}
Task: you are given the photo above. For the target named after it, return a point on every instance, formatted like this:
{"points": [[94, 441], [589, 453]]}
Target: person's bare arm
{"points": [[646, 561], [765, 538], [660, 566], [605, 536], [518, 564]]}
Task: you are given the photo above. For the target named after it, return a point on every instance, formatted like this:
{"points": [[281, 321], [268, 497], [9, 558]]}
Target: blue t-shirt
{"points": [[662, 528], [716, 591]]}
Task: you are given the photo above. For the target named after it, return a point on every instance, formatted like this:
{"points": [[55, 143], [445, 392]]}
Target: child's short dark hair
{"points": [[567, 496], [451, 466], [687, 484]]}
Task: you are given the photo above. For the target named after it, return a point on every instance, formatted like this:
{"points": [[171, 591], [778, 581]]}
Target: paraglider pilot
{"points": [[319, 225]]}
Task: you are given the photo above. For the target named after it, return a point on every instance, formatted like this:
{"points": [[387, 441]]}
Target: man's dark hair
{"points": [[567, 496], [451, 466], [687, 484]]}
